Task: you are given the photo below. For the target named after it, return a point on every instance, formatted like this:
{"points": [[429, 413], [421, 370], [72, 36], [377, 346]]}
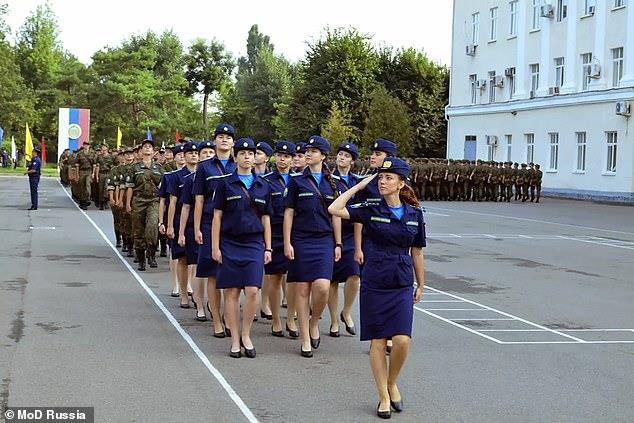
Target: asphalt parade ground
{"points": [[527, 316]]}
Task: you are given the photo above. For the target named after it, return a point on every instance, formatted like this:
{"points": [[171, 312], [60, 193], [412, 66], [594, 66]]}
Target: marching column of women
{"points": [[248, 222]]}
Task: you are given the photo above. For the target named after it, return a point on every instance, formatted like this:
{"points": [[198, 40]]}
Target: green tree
{"points": [[208, 71], [388, 118], [423, 86], [256, 42], [339, 68], [338, 128]]}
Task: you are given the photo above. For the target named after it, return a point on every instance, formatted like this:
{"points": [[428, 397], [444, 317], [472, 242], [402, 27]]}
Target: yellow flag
{"points": [[119, 136], [28, 146]]}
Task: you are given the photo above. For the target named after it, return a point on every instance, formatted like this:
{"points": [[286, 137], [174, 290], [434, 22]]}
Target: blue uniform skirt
{"points": [[314, 257], [279, 263], [386, 297], [206, 265], [346, 266], [176, 250], [191, 247], [242, 261]]}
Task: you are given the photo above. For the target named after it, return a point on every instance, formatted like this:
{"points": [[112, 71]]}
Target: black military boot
{"points": [[151, 257], [140, 257], [117, 235], [163, 242], [130, 248], [124, 244]]}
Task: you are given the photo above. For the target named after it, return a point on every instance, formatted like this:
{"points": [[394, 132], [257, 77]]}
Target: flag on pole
{"points": [[177, 136], [163, 145], [43, 150], [1, 135], [73, 129], [148, 135], [119, 137], [28, 145], [14, 150]]}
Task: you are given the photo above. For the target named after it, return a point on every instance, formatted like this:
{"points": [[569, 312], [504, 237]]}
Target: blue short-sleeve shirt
{"points": [[310, 203], [207, 178]]}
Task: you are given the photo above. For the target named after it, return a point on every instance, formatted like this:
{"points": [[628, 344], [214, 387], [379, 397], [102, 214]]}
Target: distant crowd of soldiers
{"points": [[475, 180]]}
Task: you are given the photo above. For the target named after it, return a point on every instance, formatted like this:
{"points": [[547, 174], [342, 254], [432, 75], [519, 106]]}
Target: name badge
{"points": [[259, 200], [305, 194], [411, 223], [380, 219], [235, 197]]}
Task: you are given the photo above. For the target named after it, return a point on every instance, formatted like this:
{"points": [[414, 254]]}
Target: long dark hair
{"points": [[328, 176], [407, 195]]}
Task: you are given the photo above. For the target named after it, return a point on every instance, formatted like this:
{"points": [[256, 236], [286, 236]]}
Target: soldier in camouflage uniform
{"points": [[522, 182], [105, 162], [63, 168], [85, 166], [142, 183], [121, 196], [450, 176], [538, 183], [111, 186]]}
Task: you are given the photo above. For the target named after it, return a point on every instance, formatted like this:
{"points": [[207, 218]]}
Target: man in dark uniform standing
{"points": [[34, 170]]}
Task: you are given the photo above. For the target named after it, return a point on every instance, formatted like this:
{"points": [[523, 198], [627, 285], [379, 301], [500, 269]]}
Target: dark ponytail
{"points": [[407, 195], [328, 176]]}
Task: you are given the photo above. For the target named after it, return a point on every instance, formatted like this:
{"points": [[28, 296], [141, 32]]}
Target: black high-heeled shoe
{"points": [[333, 333], [314, 342], [249, 352], [292, 333], [306, 354], [383, 414], [397, 405], [266, 316], [278, 333], [350, 329], [235, 354]]}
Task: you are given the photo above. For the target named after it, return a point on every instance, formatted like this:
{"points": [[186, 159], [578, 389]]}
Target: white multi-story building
{"points": [[549, 82]]}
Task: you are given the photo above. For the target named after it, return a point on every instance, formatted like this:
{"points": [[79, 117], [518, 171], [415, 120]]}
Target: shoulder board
{"points": [[359, 205], [218, 176], [296, 173], [337, 177], [266, 175], [356, 175]]}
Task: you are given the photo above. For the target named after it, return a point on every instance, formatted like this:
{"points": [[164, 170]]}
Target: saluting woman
{"points": [[241, 242], [394, 235], [312, 239]]}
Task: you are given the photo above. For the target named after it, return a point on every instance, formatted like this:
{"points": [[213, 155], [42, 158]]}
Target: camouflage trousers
{"points": [[145, 223], [85, 180], [103, 192]]}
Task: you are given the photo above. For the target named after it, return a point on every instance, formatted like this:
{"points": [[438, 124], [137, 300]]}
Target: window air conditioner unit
{"points": [[509, 71], [492, 140], [499, 81], [595, 71], [531, 94], [553, 91], [481, 83], [471, 49], [546, 11], [590, 10], [623, 108]]}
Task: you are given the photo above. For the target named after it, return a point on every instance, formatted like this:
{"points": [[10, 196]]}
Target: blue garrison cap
{"points": [[395, 165], [244, 144], [319, 143], [147, 141], [225, 128], [190, 146], [350, 148], [205, 144], [37, 150], [285, 147], [384, 145], [300, 148], [178, 148], [264, 147]]}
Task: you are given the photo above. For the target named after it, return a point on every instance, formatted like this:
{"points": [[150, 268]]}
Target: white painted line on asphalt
{"points": [[562, 342], [456, 309], [525, 236], [508, 315], [50, 228], [490, 338], [214, 372], [437, 214], [512, 330], [606, 244], [441, 301], [597, 330], [537, 221], [477, 320]]}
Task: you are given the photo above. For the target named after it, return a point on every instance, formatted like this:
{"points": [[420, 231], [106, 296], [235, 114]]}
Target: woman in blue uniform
{"points": [[186, 236], [34, 170], [312, 239], [241, 242], [394, 235], [207, 175], [275, 271], [346, 269]]}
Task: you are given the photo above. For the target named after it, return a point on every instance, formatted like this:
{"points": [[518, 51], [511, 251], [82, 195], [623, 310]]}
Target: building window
{"points": [[509, 141], [513, 18], [534, 70], [559, 71], [475, 28], [492, 87], [491, 152], [554, 150], [511, 78], [619, 3], [562, 10], [589, 7], [535, 20], [586, 66], [617, 66], [473, 79], [493, 26], [610, 165], [530, 147], [581, 152]]}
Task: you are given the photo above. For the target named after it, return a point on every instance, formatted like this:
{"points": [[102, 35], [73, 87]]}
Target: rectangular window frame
{"points": [[473, 80], [492, 87], [581, 152], [586, 70], [562, 10], [617, 66], [535, 23], [493, 24], [534, 71], [619, 3], [475, 28], [559, 71], [611, 138], [587, 5], [554, 152], [513, 18], [509, 146], [530, 147]]}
